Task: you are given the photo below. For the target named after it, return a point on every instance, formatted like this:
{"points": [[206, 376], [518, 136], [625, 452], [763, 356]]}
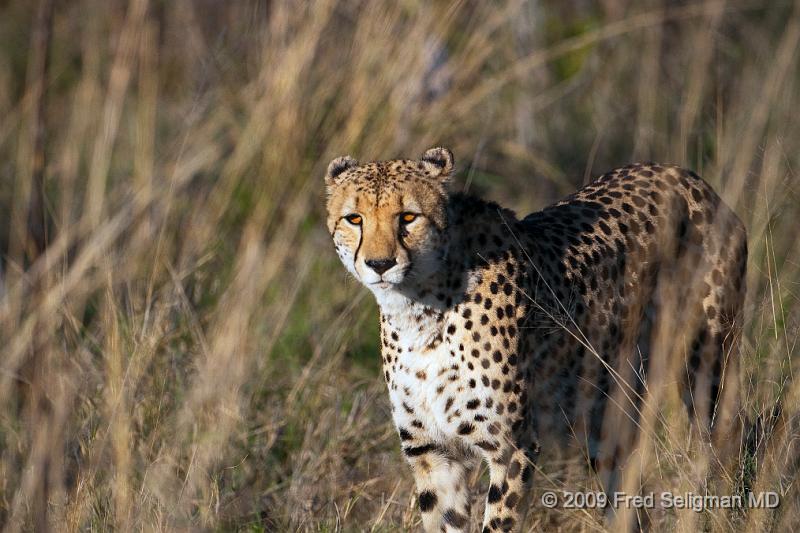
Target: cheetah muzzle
{"points": [[503, 335]]}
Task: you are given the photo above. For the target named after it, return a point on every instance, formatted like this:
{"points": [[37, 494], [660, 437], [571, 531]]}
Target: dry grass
{"points": [[181, 348]]}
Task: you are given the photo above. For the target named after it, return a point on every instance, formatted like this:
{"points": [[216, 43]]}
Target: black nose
{"points": [[381, 265]]}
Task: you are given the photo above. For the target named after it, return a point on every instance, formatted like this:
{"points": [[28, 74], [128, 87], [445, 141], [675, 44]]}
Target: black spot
{"points": [[404, 434], [486, 446], [494, 494], [511, 500], [416, 451], [507, 524], [455, 519], [526, 473], [427, 500], [465, 428]]}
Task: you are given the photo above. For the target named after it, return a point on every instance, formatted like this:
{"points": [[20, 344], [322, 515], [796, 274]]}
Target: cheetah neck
{"points": [[415, 313]]}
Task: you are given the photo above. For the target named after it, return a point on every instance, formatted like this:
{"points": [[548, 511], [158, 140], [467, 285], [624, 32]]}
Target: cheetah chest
{"points": [[429, 386], [419, 386]]}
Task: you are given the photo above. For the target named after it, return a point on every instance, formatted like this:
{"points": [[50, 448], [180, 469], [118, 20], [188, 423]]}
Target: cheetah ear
{"points": [[337, 166], [438, 162]]}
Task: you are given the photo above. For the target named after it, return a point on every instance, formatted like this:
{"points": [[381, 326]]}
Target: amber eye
{"points": [[354, 219], [408, 217]]}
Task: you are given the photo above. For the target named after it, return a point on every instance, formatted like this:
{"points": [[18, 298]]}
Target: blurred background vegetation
{"points": [[180, 347]]}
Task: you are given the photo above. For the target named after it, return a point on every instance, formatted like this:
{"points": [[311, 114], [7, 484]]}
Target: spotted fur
{"points": [[503, 336]]}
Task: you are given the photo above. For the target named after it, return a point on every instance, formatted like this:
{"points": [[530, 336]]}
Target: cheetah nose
{"points": [[381, 265]]}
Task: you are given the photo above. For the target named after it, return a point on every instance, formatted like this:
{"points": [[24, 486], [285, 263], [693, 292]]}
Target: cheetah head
{"points": [[388, 218]]}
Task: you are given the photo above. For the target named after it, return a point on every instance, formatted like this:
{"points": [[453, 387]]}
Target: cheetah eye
{"points": [[354, 219], [407, 218]]}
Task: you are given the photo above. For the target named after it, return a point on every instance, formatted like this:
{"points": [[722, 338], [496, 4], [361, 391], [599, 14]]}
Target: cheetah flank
{"points": [[502, 337]]}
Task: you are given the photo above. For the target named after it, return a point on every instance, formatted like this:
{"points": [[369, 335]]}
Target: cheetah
{"points": [[503, 337]]}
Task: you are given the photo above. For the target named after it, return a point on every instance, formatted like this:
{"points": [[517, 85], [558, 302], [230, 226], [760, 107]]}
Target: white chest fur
{"points": [[425, 373]]}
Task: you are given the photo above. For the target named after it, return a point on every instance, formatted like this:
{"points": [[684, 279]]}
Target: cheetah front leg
{"points": [[510, 470], [442, 493]]}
